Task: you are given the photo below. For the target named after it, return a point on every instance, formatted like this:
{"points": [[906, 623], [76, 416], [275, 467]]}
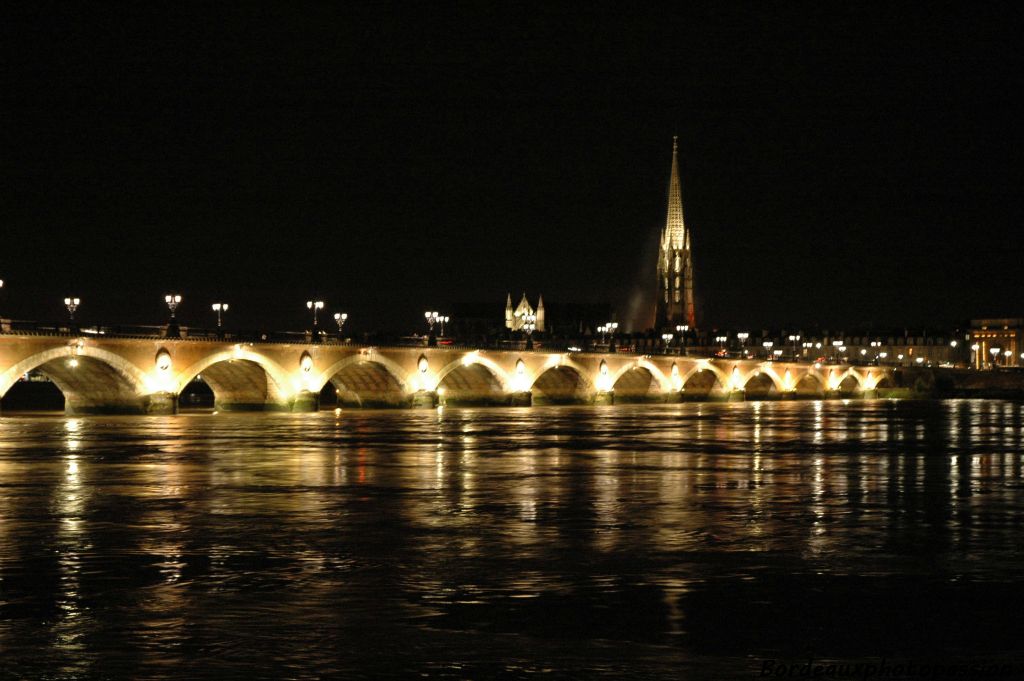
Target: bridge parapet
{"points": [[146, 375]]}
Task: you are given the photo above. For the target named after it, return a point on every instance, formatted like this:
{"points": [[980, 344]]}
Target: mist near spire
{"points": [[640, 299]]}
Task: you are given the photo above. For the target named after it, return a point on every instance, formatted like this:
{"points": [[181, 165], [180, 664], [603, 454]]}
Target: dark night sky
{"points": [[844, 168]]}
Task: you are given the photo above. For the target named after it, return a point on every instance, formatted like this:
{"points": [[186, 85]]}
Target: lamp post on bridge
{"points": [[220, 308], [836, 344], [793, 338], [529, 325], [683, 329], [72, 304], [315, 306], [768, 348], [173, 300], [444, 320], [742, 337], [340, 318], [432, 319]]}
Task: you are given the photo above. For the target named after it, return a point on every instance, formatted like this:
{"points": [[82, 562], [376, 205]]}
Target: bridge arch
{"points": [[639, 381], [473, 380], [242, 380], [703, 381], [366, 381], [810, 385], [850, 383], [92, 380], [562, 383], [761, 384]]}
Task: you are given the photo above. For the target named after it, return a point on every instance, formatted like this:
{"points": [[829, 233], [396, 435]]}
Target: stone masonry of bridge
{"points": [[145, 375]]}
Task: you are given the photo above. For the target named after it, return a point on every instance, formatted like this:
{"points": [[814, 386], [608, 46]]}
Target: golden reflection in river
{"points": [[338, 523]]}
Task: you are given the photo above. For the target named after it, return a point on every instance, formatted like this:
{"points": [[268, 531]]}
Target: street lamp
{"points": [[995, 353], [432, 318], [975, 360], [666, 338], [793, 338], [529, 325], [683, 329], [72, 304], [315, 306], [768, 348], [219, 308], [340, 318], [173, 300], [444, 320], [742, 337]]}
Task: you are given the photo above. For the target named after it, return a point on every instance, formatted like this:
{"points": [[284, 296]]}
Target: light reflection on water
{"points": [[473, 543]]}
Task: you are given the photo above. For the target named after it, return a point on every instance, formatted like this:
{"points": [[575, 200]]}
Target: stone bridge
{"points": [[100, 374]]}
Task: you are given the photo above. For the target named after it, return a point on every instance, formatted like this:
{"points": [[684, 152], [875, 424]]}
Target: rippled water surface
{"points": [[673, 541]]}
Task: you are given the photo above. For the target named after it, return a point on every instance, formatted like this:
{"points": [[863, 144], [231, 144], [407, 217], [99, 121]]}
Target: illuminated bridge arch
{"points": [[473, 379], [810, 384], [639, 381], [703, 381], [761, 384], [92, 380], [366, 380], [242, 380], [562, 383]]}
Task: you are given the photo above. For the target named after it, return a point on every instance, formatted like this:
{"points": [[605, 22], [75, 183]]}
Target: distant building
{"points": [[1003, 336], [675, 303], [516, 318]]}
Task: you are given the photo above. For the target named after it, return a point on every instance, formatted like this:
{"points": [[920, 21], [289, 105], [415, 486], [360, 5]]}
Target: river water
{"points": [[671, 541]]}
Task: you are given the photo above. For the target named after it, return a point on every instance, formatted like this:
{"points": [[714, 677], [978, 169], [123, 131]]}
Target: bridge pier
{"points": [[737, 396], [521, 399], [305, 401], [424, 399], [163, 403], [604, 397]]}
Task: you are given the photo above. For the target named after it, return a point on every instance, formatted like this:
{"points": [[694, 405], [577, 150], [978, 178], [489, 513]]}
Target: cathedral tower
{"points": [[675, 304]]}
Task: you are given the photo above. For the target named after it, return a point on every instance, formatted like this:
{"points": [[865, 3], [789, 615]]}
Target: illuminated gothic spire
{"points": [[675, 303], [675, 236]]}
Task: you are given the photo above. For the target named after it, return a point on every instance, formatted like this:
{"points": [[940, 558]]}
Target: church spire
{"points": [[675, 231], [675, 303]]}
